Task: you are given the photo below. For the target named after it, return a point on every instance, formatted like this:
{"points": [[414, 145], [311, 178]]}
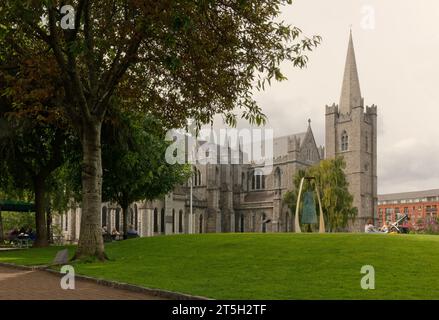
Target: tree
{"points": [[337, 202], [174, 59], [34, 136], [32, 152], [133, 162]]}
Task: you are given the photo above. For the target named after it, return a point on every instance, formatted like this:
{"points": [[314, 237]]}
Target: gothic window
{"points": [[344, 141], [162, 221], [156, 220], [278, 178], [242, 223], [195, 177], [199, 177], [104, 216], [180, 221], [131, 216], [136, 219], [173, 220], [117, 219], [201, 223]]}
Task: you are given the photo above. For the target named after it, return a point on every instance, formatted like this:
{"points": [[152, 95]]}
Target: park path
{"points": [[18, 284]]}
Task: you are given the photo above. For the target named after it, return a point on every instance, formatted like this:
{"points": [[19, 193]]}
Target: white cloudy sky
{"points": [[398, 63]]}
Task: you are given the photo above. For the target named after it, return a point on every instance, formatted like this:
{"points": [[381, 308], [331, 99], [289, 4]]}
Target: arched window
{"points": [[180, 221], [201, 223], [136, 217], [117, 219], [162, 221], [173, 220], [156, 220], [242, 223], [104, 216], [131, 216], [278, 178], [243, 179], [66, 227], [195, 177], [199, 177], [344, 141]]}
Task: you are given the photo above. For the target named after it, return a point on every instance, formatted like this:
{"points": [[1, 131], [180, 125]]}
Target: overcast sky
{"points": [[398, 64]]}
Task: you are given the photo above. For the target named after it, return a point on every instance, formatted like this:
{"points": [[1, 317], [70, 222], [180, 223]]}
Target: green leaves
{"points": [[134, 160]]}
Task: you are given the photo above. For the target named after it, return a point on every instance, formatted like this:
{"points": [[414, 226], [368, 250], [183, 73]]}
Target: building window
{"points": [[117, 219], [195, 177], [136, 219], [131, 216], [180, 221], [162, 221], [156, 222], [344, 141], [104, 217], [258, 180], [278, 178], [173, 220], [201, 223]]}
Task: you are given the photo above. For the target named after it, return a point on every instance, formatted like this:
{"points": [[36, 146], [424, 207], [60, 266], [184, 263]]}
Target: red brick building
{"points": [[421, 206]]}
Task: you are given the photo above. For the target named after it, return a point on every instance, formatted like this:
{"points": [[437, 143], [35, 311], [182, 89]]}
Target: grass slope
{"points": [[267, 266]]}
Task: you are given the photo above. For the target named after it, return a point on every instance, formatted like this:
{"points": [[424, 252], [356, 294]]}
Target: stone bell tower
{"points": [[351, 132]]}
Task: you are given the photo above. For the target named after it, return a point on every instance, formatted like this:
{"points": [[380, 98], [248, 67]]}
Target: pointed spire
{"points": [[350, 92]]}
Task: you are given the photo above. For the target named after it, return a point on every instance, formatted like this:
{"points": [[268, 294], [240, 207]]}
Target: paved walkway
{"points": [[18, 284]]}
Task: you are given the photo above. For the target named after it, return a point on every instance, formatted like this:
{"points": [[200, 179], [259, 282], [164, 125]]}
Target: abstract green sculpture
{"points": [[309, 215]]}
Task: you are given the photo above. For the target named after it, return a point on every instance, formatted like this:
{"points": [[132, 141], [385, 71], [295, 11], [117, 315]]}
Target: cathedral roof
{"points": [[280, 144], [350, 92]]}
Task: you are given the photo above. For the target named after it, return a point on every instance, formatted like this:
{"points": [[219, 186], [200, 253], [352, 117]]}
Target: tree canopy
{"points": [[173, 59], [133, 162]]}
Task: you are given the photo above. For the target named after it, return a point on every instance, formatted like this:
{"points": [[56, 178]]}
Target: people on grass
{"points": [[115, 234], [131, 231], [370, 228]]}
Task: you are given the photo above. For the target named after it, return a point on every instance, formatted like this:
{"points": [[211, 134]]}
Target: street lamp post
{"points": [[190, 202]]}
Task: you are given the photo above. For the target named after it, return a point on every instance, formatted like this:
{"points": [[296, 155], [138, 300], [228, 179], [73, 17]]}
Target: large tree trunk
{"points": [[91, 244], [40, 212]]}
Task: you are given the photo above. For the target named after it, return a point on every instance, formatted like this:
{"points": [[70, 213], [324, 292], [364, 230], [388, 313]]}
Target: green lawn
{"points": [[267, 266]]}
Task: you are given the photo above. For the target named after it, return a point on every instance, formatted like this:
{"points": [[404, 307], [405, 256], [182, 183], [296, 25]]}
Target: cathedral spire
{"points": [[350, 92]]}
